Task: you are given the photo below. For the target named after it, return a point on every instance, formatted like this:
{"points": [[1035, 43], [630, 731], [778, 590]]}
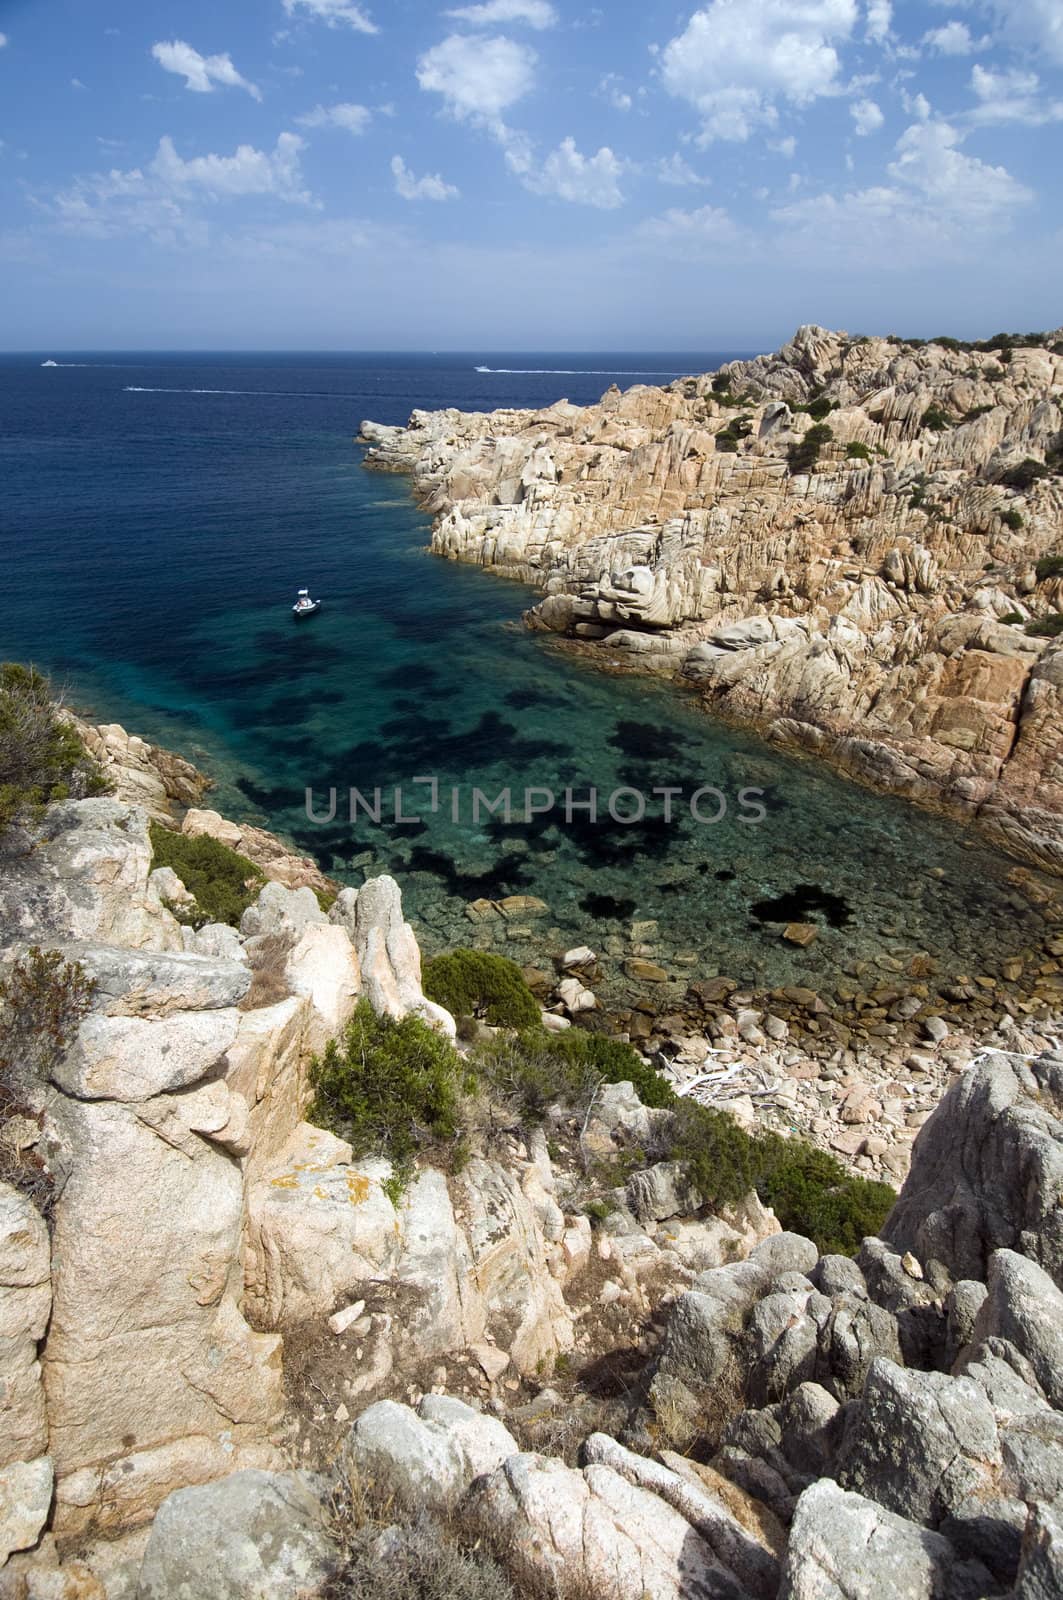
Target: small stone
{"points": [[644, 971], [581, 956], [911, 1266], [341, 1414], [492, 1360], [936, 1029], [481, 910], [340, 1321], [522, 905], [800, 933]]}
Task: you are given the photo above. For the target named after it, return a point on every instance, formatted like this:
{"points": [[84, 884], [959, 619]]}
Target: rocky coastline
{"points": [[854, 545], [237, 1361]]}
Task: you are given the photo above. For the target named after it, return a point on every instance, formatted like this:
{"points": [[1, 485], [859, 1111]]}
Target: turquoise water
{"points": [[157, 515]]}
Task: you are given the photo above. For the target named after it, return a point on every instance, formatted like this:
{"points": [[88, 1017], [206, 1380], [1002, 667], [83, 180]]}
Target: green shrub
{"points": [[729, 438], [855, 451], [1012, 617], [1012, 519], [1049, 627], [41, 757], [223, 882], [1049, 567], [804, 453], [537, 1069], [1025, 475], [387, 1087], [818, 407], [810, 1191], [477, 983], [936, 419], [917, 497]]}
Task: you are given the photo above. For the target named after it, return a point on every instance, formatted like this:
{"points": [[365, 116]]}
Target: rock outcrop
{"points": [[859, 594]]}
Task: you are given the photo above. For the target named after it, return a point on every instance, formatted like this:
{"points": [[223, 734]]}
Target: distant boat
{"points": [[49, 363], [304, 606]]}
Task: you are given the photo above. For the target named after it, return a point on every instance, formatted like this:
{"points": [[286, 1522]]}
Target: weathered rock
{"points": [[253, 1536], [428, 1457], [748, 1557], [1041, 1568], [987, 1172], [593, 1532], [318, 1226], [922, 1444], [25, 1305], [25, 1500], [136, 1058], [1024, 1306], [845, 1547]]}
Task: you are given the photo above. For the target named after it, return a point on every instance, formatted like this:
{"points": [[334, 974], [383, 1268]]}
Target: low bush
{"points": [[41, 756], [43, 999], [1012, 519], [818, 408], [389, 1088], [729, 438], [804, 453], [855, 451], [223, 882], [810, 1191], [935, 419], [1012, 617], [477, 983], [1025, 475], [1049, 567], [1049, 627]]}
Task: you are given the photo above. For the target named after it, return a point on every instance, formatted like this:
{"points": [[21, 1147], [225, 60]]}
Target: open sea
{"points": [[157, 515]]}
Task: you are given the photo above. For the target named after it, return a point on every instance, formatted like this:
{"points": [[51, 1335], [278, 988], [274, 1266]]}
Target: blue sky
{"points": [[525, 174]]}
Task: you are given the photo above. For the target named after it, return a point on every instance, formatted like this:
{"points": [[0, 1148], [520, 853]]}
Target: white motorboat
{"points": [[304, 606]]}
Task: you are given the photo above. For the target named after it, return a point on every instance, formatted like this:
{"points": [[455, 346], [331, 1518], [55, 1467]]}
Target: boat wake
{"points": [[255, 394]]}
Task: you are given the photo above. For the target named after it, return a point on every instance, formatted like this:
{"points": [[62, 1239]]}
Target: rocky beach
{"points": [[549, 1368]]}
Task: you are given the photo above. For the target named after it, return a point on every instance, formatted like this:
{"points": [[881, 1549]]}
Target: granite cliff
{"points": [[854, 545]]}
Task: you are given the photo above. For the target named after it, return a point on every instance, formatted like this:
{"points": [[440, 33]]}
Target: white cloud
{"points": [[879, 19], [478, 76], [1036, 23], [352, 118], [160, 200], [611, 88], [3, 40], [536, 13], [1011, 96], [247, 171], [916, 105], [954, 39], [737, 58], [201, 73], [430, 187], [867, 116], [334, 13], [678, 172], [76, 83], [938, 197], [568, 175], [784, 147], [682, 232]]}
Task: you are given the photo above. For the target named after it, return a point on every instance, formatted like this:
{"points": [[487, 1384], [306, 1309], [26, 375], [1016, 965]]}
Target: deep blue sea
{"points": [[157, 515]]}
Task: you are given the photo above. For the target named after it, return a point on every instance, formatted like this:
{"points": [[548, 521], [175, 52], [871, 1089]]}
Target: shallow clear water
{"points": [[157, 515]]}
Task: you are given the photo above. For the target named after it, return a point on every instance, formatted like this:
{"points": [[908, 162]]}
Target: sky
{"points": [[525, 174]]}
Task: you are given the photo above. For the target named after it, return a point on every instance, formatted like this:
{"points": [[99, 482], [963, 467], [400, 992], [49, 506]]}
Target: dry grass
{"points": [[268, 955]]}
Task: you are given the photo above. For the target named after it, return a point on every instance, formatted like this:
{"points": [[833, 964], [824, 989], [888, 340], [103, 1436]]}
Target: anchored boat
{"points": [[304, 606]]}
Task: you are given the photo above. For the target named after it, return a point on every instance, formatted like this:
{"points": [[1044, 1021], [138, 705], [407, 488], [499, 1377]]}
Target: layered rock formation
{"points": [[862, 595], [197, 1219]]}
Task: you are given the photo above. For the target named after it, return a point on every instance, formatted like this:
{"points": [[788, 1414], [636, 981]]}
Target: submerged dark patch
{"points": [[803, 901], [606, 906]]}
